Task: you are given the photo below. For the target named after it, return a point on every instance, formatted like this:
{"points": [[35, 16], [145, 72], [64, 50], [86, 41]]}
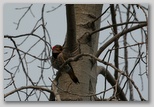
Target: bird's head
{"points": [[57, 49]]}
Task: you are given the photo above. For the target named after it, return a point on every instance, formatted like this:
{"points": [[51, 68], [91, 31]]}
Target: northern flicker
{"points": [[58, 59]]}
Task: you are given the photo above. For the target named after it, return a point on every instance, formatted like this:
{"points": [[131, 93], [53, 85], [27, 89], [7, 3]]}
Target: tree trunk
{"points": [[84, 69]]}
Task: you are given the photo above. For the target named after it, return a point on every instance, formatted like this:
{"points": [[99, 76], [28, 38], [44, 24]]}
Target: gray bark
{"points": [[84, 69]]}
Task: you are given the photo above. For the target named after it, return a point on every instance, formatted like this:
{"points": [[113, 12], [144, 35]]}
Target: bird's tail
{"points": [[73, 77], [70, 72]]}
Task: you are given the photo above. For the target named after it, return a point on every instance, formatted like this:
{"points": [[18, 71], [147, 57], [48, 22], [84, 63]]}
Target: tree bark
{"points": [[84, 69]]}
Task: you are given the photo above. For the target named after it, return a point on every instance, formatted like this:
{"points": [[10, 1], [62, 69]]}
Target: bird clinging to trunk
{"points": [[58, 58]]}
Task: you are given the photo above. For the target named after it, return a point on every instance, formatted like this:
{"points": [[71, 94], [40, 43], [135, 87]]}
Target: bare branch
{"points": [[119, 24], [54, 8], [116, 44], [28, 87], [23, 15], [70, 44], [101, 49], [111, 80]]}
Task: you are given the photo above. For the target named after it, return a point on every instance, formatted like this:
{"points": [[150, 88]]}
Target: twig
{"points": [[101, 49], [54, 8], [27, 87], [23, 16], [21, 61], [119, 24]]}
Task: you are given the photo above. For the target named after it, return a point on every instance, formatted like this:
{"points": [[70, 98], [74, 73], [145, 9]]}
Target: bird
{"points": [[58, 58]]}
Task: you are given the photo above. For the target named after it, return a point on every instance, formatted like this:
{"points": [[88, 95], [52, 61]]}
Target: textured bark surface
{"points": [[84, 69]]}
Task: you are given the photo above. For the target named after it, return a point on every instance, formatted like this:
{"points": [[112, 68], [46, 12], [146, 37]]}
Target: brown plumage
{"points": [[58, 59]]}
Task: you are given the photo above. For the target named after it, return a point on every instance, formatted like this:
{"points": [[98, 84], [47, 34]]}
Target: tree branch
{"points": [[23, 15], [70, 42], [101, 49], [116, 44], [119, 24], [112, 81], [23, 67], [28, 87]]}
